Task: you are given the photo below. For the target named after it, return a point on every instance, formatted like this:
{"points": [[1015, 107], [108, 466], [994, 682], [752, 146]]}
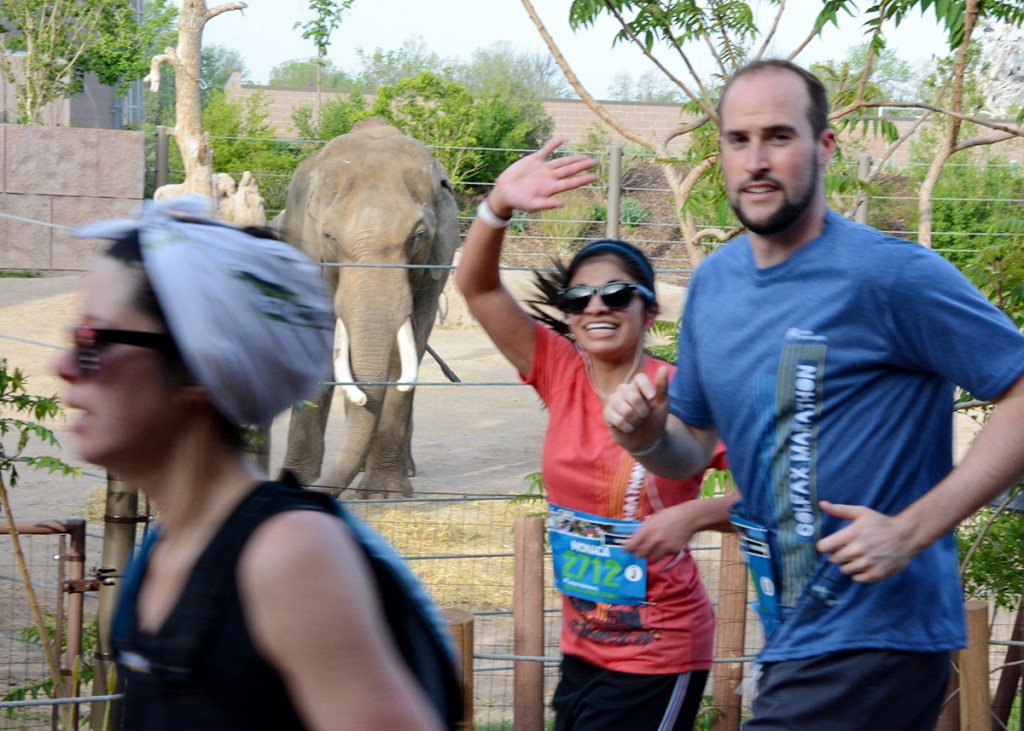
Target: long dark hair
{"points": [[543, 305]]}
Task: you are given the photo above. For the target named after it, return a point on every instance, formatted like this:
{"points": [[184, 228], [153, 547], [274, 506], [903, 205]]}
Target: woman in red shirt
{"points": [[636, 633]]}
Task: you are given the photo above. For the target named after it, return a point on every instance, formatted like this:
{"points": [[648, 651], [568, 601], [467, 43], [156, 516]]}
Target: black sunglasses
{"points": [[89, 341], [615, 295]]}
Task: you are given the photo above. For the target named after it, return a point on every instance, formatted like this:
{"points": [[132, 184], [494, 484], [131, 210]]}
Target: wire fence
{"points": [[460, 545], [979, 216]]}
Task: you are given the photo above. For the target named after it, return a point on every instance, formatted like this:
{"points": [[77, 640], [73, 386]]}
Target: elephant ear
{"points": [[448, 238]]}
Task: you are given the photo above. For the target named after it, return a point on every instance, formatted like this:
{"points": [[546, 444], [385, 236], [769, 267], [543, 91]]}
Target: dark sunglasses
{"points": [[615, 295], [89, 341]]}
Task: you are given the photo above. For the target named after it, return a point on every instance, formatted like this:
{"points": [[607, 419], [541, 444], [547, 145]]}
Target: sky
{"points": [[263, 33]]}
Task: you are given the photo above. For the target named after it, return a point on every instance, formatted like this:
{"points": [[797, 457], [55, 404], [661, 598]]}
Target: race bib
{"points": [[754, 545], [589, 560]]}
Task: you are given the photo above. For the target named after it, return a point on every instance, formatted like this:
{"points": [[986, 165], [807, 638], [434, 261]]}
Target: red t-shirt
{"points": [[585, 470]]}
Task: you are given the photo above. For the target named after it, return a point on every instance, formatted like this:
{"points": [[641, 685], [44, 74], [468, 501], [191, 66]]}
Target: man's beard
{"points": [[789, 212]]}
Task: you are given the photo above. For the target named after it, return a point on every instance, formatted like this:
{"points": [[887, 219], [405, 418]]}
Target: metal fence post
{"points": [[119, 521], [614, 208], [162, 156]]}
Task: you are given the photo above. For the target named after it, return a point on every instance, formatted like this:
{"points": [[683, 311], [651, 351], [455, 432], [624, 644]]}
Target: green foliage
{"points": [[665, 337], [61, 39], [124, 45], [729, 24], [302, 73], [43, 689], [974, 201], [20, 414], [326, 18], [439, 113], [998, 271], [337, 116], [387, 68], [990, 544], [242, 139], [501, 66], [649, 87], [216, 64], [631, 212], [568, 225], [477, 117]]}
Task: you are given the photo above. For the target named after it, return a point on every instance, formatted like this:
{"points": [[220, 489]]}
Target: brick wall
{"points": [[573, 119], [65, 177]]}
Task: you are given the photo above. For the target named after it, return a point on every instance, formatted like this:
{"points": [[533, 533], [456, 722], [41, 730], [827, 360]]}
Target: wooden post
{"points": [[730, 635], [460, 624], [528, 624], [974, 689]]}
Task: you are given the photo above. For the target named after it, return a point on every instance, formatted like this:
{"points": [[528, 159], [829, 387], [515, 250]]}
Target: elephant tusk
{"points": [[343, 368], [410, 361]]}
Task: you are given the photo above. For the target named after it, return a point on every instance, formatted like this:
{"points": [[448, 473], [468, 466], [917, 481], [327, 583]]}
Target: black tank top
{"points": [[201, 671]]}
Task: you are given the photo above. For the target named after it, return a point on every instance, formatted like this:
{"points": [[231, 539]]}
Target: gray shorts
{"points": [[852, 691]]}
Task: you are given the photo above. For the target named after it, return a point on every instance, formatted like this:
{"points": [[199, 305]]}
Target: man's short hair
{"points": [[817, 110]]}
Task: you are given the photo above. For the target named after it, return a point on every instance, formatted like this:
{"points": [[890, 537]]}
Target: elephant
{"points": [[373, 196]]}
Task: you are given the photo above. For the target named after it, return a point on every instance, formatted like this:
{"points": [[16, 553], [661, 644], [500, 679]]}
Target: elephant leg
{"points": [[388, 462], [305, 452], [351, 457]]}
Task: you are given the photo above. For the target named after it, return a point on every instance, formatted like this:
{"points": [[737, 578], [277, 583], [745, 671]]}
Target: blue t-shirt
{"points": [[830, 376]]}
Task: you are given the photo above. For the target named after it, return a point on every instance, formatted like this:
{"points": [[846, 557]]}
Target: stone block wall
{"points": [[58, 178]]}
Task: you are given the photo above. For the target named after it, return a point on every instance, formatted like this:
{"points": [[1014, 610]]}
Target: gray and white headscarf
{"points": [[251, 316]]}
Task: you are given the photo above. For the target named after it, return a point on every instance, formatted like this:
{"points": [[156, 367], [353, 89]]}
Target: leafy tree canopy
{"points": [[385, 68], [62, 39], [217, 63], [650, 86], [301, 74], [501, 68]]}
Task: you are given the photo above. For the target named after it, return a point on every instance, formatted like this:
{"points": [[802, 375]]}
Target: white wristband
{"points": [[492, 219], [650, 447]]}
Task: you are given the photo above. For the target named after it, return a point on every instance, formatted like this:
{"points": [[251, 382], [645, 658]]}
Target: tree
{"points": [[326, 19], [387, 68], [501, 66], [126, 42], [439, 113], [21, 416], [336, 117], [510, 87], [60, 39], [216, 64], [242, 139], [186, 60], [731, 34], [302, 73], [650, 86]]}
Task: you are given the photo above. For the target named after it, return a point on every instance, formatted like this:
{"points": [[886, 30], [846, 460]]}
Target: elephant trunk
{"points": [[408, 356]]}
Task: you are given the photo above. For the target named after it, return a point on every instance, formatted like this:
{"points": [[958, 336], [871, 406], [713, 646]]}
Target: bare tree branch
{"points": [[771, 31], [225, 8], [704, 101], [575, 83]]}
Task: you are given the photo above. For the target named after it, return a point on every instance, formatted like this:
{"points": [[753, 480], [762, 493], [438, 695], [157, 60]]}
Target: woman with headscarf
{"points": [[636, 634], [254, 607]]}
